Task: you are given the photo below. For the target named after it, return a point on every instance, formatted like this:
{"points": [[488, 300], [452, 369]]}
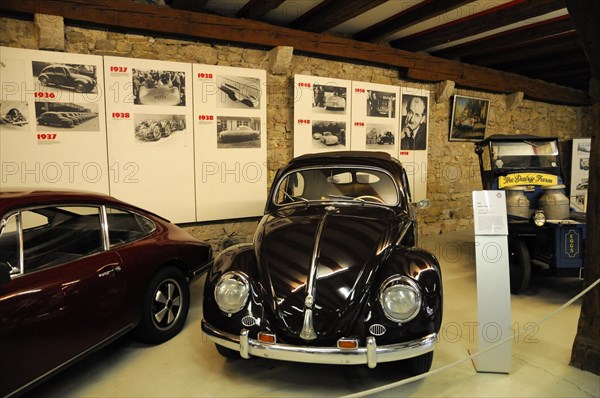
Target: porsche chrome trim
{"points": [[370, 355]]}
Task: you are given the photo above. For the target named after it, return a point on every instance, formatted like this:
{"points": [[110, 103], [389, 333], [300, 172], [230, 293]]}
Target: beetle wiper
{"points": [[293, 198], [346, 198]]}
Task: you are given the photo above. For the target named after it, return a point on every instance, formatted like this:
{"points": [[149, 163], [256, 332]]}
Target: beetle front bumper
{"points": [[371, 354]]}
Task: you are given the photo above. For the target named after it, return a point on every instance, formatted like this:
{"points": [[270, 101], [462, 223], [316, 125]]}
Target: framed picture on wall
{"points": [[469, 118]]}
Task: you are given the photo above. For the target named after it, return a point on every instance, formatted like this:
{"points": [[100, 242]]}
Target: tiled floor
{"points": [[189, 365]]}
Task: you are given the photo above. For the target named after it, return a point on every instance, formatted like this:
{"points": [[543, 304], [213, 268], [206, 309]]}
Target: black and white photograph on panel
{"points": [[380, 136], [413, 128], [152, 128], [158, 87], [71, 77], [328, 134], [13, 115], [238, 132], [329, 99], [67, 116], [381, 104], [238, 92]]}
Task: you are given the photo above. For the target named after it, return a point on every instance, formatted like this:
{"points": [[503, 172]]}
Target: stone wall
{"points": [[453, 170]]}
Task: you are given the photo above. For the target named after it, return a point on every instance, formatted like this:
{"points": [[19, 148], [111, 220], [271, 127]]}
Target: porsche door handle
{"points": [[108, 270]]}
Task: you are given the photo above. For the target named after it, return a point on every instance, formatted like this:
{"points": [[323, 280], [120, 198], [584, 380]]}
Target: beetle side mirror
{"points": [[423, 204]]}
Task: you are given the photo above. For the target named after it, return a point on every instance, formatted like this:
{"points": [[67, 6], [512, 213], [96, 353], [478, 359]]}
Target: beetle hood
{"points": [[327, 252]]}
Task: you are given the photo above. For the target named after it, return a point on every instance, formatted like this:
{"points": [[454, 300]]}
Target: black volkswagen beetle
{"points": [[333, 276]]}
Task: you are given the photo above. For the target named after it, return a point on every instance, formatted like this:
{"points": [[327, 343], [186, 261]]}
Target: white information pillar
{"points": [[493, 283]]}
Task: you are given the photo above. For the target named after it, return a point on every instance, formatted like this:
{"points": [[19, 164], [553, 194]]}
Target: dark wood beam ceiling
{"points": [[547, 46], [331, 13], [191, 5], [411, 16], [497, 17], [569, 71], [502, 40], [164, 20], [256, 9], [586, 16], [545, 62]]}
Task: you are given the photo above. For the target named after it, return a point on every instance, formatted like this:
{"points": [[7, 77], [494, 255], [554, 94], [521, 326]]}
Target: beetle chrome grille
{"points": [[248, 321], [377, 329]]}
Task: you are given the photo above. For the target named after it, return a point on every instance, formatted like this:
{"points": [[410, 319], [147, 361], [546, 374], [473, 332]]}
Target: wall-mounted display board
{"points": [[150, 135], [322, 114], [413, 135], [230, 125], [52, 125], [375, 117], [372, 117], [580, 165]]}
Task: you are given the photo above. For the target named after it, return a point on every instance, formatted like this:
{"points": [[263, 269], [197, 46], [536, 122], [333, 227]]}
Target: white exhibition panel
{"points": [[580, 165], [150, 135], [66, 147], [230, 127], [322, 114], [375, 117], [326, 118]]}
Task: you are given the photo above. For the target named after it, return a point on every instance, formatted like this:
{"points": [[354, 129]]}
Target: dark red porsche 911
{"points": [[78, 270]]}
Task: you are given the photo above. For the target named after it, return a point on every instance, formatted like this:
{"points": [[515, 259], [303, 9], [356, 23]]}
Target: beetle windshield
{"points": [[525, 154], [337, 184]]}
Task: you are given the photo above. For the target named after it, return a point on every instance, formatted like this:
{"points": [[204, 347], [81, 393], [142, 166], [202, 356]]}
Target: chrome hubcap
{"points": [[167, 304]]}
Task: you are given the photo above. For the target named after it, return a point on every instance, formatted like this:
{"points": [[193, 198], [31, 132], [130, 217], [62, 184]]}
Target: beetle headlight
{"points": [[539, 218], [400, 299], [231, 292]]}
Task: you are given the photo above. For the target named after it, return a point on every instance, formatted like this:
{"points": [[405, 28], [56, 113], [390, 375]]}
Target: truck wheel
{"points": [[519, 265]]}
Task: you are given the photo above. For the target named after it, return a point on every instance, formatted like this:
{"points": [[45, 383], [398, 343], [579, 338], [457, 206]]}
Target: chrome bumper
{"points": [[370, 355]]}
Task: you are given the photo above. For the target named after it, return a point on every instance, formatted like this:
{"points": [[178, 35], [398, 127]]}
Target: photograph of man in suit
{"points": [[414, 123]]}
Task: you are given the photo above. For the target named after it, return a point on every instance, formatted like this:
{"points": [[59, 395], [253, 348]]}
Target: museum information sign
{"points": [[493, 282]]}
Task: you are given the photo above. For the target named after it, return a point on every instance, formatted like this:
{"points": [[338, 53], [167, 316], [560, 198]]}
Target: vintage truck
{"points": [[543, 233]]}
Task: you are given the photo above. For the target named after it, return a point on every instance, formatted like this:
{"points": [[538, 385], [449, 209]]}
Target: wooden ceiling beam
{"points": [[256, 9], [408, 17], [190, 5], [577, 70], [547, 46], [501, 40], [586, 14], [331, 13], [154, 19], [545, 62], [505, 14]]}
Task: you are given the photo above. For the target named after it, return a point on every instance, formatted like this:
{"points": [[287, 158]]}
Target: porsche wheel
{"points": [[44, 81], [227, 352], [420, 364], [80, 87], [165, 306], [519, 265]]}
